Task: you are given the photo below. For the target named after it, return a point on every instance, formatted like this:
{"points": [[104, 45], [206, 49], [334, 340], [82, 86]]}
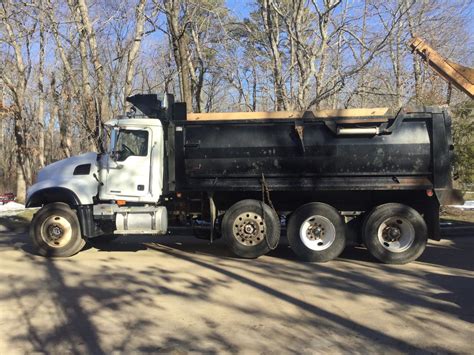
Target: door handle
{"points": [[116, 166]]}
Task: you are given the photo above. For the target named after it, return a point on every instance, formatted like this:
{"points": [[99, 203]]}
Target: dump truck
{"points": [[326, 178]]}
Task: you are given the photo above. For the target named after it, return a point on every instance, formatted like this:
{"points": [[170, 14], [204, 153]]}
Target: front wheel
{"points": [[395, 233], [55, 231], [316, 232]]}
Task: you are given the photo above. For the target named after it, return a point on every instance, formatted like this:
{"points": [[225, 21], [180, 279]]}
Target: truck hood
{"points": [[77, 174], [65, 168]]}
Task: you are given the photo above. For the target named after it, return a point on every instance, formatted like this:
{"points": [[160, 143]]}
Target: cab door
{"points": [[128, 166]]}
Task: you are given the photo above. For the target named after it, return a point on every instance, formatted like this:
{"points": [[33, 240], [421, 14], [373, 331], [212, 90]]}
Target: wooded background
{"points": [[66, 66]]}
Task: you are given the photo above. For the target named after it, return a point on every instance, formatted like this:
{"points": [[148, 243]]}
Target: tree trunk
{"points": [[102, 106], [179, 42], [198, 80], [20, 183], [135, 46], [40, 114], [272, 31], [18, 91]]}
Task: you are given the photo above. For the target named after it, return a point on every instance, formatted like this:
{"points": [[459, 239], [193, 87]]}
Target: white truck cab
{"points": [[132, 169], [115, 192]]}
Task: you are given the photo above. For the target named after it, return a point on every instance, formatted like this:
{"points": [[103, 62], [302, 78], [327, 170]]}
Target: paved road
{"points": [[182, 295]]}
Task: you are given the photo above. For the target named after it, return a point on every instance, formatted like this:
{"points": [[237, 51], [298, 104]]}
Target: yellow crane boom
{"points": [[460, 76]]}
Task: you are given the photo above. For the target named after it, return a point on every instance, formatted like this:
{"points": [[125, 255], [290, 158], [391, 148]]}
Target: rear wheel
{"points": [[395, 233], [251, 228], [316, 232], [55, 231]]}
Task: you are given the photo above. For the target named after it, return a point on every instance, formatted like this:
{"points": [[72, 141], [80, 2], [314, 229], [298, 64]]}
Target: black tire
{"points": [[247, 231], [325, 243], [57, 218], [103, 239], [204, 231], [403, 246]]}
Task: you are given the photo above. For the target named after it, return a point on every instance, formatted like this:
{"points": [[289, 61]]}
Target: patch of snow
{"points": [[468, 205], [11, 206]]}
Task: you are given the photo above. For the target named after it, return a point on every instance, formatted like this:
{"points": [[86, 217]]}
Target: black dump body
{"points": [[412, 151], [352, 163]]}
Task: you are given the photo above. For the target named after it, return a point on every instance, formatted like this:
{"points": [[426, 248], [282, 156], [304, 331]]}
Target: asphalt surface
{"points": [[181, 295]]}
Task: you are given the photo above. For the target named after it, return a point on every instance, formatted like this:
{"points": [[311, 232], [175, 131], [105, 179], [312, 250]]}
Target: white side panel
{"points": [[123, 181]]}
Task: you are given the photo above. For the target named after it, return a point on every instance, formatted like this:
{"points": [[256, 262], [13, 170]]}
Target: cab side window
{"points": [[131, 143]]}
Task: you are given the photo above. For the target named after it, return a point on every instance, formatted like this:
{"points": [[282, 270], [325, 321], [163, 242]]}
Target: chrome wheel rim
{"points": [[396, 234], [317, 233], [249, 228], [56, 231]]}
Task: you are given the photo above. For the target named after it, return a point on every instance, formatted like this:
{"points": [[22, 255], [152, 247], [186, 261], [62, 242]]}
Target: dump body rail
{"points": [[285, 115]]}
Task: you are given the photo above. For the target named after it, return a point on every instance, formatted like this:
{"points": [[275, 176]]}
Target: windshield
{"points": [[127, 142]]}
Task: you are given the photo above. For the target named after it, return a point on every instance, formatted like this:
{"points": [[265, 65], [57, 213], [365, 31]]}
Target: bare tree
{"points": [[135, 46], [176, 25], [41, 92], [16, 82], [271, 24]]}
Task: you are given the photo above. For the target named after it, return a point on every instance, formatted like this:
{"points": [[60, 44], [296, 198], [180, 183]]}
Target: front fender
{"points": [[52, 194], [83, 187]]}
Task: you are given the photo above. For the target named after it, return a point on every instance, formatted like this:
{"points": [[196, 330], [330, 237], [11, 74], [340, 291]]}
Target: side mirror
{"points": [[114, 155], [112, 162]]}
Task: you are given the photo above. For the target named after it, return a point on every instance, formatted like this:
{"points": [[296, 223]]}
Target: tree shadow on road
{"points": [[103, 295]]}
